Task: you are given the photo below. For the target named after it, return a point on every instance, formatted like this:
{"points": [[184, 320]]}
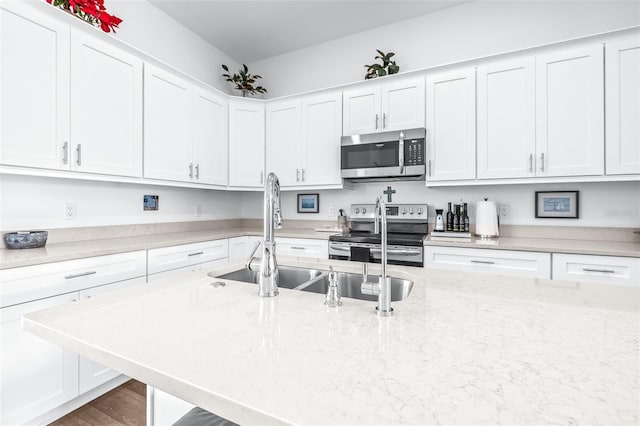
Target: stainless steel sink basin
{"points": [[289, 277], [316, 281], [350, 286]]}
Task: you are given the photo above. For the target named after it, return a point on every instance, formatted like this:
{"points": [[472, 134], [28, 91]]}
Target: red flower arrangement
{"points": [[92, 11]]}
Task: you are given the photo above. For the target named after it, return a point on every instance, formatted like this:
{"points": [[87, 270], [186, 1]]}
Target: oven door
{"points": [[372, 253], [380, 159]]}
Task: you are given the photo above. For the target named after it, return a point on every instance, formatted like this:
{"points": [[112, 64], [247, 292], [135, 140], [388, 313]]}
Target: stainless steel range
{"points": [[407, 229]]}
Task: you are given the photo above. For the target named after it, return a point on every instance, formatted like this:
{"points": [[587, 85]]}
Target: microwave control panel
{"points": [[414, 152]]}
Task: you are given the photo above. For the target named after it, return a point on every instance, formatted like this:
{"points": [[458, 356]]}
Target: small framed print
{"points": [[557, 204], [150, 202], [308, 203]]}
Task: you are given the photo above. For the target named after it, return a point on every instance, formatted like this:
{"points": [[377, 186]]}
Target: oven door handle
{"points": [[401, 153], [339, 248], [397, 251]]}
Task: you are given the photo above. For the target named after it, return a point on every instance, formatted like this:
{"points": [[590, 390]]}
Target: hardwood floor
{"points": [[124, 405]]}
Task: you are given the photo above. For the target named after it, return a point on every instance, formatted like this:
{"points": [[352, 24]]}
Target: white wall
{"points": [[455, 34], [601, 204], [29, 202], [147, 28]]}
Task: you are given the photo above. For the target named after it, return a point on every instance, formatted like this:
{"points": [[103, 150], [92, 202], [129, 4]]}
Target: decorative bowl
{"points": [[26, 239]]}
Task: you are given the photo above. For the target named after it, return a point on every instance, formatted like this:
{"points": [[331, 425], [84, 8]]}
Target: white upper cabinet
{"points": [[210, 138], [106, 108], [185, 135], [34, 89], [570, 112], [284, 141], [506, 119], [321, 130], [396, 105], [167, 128], [246, 144], [622, 71], [451, 125]]}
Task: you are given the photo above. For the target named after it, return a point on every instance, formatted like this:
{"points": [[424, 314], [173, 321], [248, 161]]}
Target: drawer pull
{"points": [[84, 274], [484, 262], [198, 253], [606, 271], [298, 248]]}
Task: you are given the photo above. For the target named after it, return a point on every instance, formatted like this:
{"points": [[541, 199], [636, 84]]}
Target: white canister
{"points": [[486, 219]]}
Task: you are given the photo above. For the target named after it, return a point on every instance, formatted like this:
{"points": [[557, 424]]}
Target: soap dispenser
{"points": [[333, 293]]}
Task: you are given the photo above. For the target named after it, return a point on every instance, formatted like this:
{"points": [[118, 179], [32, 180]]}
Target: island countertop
{"points": [[464, 348]]}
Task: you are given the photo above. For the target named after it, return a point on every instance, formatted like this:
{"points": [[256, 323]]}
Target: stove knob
{"points": [[411, 210], [419, 210], [357, 210], [404, 210], [364, 210]]}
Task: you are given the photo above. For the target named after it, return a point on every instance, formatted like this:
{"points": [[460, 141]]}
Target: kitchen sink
{"points": [[289, 277], [316, 281], [350, 286]]}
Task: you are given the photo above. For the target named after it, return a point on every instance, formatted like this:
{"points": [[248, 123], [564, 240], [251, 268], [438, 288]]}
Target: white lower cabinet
{"points": [[166, 409], [92, 374], [200, 267], [597, 269], [168, 258], [239, 248], [37, 376], [301, 247], [503, 262]]}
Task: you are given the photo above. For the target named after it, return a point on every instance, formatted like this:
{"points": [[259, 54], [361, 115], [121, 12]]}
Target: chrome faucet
{"points": [[269, 276], [383, 288]]}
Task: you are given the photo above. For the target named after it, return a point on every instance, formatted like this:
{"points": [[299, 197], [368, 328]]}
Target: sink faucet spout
{"points": [[269, 276]]}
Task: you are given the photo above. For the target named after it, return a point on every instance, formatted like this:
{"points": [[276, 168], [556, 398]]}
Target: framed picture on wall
{"points": [[308, 203], [557, 204]]}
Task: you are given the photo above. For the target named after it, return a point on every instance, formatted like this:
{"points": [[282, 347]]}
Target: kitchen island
{"points": [[463, 348]]}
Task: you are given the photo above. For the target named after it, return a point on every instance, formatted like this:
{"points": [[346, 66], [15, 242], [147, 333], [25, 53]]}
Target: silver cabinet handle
{"points": [[340, 248], [198, 171], [302, 175], [65, 153], [83, 274], [190, 170], [79, 151], [542, 162], [605, 271], [484, 262], [198, 253], [530, 163], [261, 177], [429, 168], [298, 248], [384, 120], [376, 121], [297, 175]]}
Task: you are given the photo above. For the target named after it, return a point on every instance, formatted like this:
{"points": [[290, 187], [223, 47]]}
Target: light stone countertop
{"points": [[462, 349]]}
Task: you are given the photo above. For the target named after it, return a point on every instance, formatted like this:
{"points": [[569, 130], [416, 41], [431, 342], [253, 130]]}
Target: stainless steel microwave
{"points": [[386, 154]]}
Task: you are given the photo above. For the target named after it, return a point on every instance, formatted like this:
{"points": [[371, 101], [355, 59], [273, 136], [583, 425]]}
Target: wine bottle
{"points": [[466, 218], [449, 219], [456, 218]]}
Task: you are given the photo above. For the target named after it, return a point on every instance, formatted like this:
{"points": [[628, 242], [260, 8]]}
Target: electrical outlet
{"points": [[70, 211], [198, 210], [332, 211], [504, 211]]}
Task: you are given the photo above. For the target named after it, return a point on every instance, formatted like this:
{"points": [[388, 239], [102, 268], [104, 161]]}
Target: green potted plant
{"points": [[388, 66], [244, 81]]}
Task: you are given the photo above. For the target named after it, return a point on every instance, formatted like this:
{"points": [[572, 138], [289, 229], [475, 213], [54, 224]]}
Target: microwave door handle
{"points": [[401, 153]]}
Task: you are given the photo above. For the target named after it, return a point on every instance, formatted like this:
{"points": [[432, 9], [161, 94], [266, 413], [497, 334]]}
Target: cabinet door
{"points": [[238, 248], [451, 126], [600, 269], [246, 144], [106, 108], [283, 142], [91, 373], [37, 376], [321, 130], [361, 111], [210, 138], [167, 126], [403, 104], [623, 106], [570, 113], [506, 119], [34, 89]]}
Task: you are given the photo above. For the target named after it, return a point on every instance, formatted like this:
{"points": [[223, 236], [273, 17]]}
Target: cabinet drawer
{"points": [[167, 258], [598, 269], [199, 268], [300, 247], [20, 285], [503, 262]]}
